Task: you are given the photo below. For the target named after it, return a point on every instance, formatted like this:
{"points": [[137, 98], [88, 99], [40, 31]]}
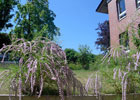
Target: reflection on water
{"points": [[111, 97]]}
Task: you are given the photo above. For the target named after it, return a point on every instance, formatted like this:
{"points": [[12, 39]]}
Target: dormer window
{"points": [[138, 3], [121, 9]]}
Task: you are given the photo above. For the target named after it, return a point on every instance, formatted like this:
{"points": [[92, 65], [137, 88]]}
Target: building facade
{"points": [[122, 13]]}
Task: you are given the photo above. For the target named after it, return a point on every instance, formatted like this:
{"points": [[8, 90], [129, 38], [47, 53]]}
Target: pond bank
{"points": [[103, 97]]}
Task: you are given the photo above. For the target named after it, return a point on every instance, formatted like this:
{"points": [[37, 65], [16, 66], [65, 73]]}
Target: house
{"points": [[121, 14]]}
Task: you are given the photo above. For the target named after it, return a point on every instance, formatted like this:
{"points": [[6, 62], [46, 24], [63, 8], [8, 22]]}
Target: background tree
{"points": [[84, 56], [4, 39], [72, 55], [35, 19], [6, 6], [103, 40]]}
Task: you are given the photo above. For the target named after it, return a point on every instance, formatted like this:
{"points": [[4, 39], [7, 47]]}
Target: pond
{"points": [[104, 97]]}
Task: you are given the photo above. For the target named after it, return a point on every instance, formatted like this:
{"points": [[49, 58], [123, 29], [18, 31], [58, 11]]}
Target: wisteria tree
{"points": [[41, 61]]}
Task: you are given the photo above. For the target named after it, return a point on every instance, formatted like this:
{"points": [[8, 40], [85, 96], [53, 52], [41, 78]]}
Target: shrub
{"points": [[72, 55], [97, 64], [75, 66], [84, 56], [125, 71], [41, 62]]}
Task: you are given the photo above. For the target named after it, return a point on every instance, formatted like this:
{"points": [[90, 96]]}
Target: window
{"points": [[121, 9], [138, 3], [124, 39], [139, 30]]}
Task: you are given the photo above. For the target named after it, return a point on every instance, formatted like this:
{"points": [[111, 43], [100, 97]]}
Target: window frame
{"points": [[124, 39], [121, 15], [137, 3]]}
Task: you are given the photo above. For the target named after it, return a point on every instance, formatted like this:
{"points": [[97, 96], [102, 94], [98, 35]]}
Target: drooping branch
{"points": [[41, 60]]}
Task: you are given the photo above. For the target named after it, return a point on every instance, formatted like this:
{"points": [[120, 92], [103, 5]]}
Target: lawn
{"points": [[4, 83], [5, 74], [82, 75]]}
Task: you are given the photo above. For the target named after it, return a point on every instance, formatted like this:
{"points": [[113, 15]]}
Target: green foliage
{"points": [[35, 19], [92, 58], [75, 66], [84, 56], [6, 6], [124, 63], [111, 86], [72, 55], [136, 39], [4, 39], [96, 65], [124, 39]]}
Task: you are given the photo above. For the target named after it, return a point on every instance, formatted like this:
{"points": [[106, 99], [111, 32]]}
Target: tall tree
{"points": [[4, 39], [35, 19], [6, 6], [103, 40], [84, 56]]}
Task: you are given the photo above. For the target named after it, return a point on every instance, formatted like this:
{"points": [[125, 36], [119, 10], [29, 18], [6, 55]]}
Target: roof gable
{"points": [[103, 7]]}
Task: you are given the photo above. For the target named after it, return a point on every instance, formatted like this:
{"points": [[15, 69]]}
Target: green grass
{"points": [[82, 75], [5, 86], [5, 76]]}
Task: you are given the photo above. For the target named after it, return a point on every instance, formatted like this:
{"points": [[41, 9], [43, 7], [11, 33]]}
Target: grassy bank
{"points": [[109, 86], [82, 75], [4, 82]]}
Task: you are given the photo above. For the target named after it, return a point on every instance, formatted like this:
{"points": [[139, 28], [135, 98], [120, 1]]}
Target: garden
{"points": [[33, 64]]}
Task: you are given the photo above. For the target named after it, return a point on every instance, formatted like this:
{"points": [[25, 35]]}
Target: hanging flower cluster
{"points": [[41, 60]]}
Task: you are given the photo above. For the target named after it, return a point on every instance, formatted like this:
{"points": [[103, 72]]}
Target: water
{"points": [[106, 97]]}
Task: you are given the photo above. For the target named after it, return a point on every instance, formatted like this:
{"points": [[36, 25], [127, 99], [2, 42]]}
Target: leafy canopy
{"points": [[4, 39], [103, 40], [35, 19], [84, 56], [6, 6], [72, 55]]}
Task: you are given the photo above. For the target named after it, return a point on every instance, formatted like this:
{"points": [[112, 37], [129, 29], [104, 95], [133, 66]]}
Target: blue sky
{"points": [[77, 20]]}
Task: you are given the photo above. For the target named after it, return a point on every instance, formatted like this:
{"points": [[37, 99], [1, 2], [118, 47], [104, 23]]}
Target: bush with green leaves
{"points": [[75, 66], [96, 63], [125, 71], [4, 39], [72, 55], [119, 72], [136, 39], [84, 56]]}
